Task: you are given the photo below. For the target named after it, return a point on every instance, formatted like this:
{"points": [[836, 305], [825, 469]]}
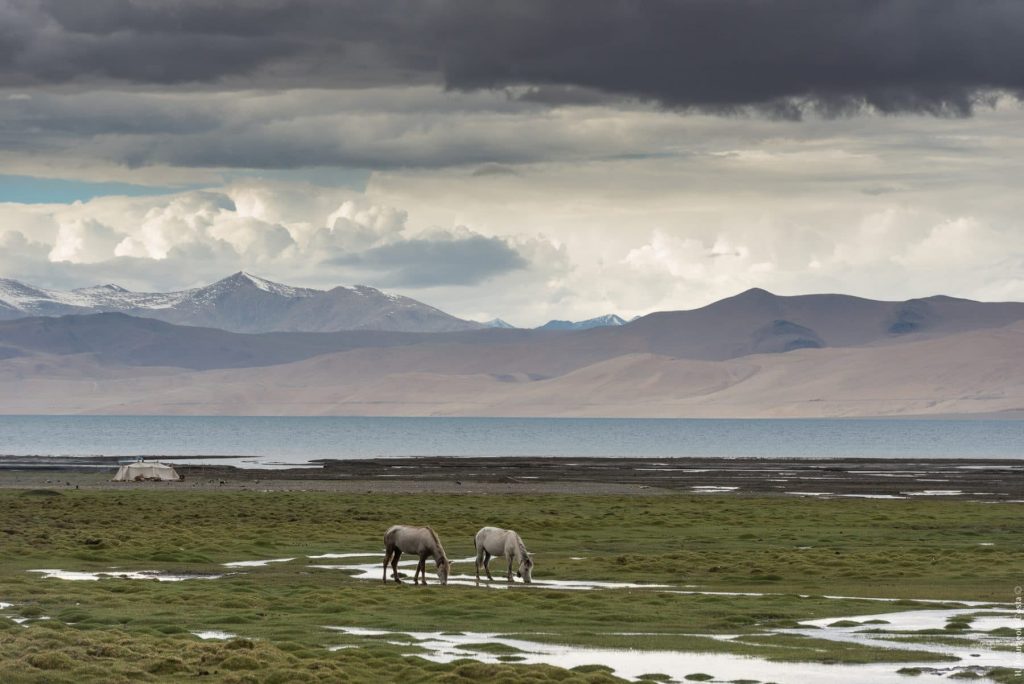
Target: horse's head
{"points": [[526, 568], [443, 567]]}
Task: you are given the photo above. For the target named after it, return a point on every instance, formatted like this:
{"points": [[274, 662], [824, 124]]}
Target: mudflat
{"points": [[970, 479]]}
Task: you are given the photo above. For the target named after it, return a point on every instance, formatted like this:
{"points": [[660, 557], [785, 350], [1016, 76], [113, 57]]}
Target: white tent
{"points": [[145, 470]]}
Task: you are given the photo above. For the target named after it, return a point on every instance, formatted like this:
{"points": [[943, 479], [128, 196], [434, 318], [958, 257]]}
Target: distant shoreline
{"points": [[941, 478], [1016, 414]]}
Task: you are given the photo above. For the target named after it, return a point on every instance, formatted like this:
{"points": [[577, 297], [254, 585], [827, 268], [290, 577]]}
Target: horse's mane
{"points": [[436, 539]]}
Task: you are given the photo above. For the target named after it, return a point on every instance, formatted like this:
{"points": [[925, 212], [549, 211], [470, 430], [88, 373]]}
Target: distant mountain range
{"points": [[246, 303], [599, 322], [755, 354], [240, 303]]}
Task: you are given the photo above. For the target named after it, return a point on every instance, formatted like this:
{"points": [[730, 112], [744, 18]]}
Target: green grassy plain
{"points": [[793, 550]]}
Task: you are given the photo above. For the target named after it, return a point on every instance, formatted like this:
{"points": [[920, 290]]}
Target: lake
{"points": [[262, 441]]}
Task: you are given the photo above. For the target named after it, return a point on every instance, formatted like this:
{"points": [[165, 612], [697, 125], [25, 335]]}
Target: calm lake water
{"points": [[265, 441]]}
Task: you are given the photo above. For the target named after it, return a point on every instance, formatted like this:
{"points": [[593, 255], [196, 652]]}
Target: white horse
{"points": [[494, 541], [421, 541]]}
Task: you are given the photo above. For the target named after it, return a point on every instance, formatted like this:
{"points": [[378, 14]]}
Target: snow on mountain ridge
{"points": [[15, 294], [268, 285], [26, 297], [498, 323], [37, 300], [598, 322], [241, 302], [109, 287]]}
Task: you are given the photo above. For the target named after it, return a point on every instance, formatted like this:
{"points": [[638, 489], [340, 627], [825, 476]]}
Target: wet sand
{"points": [[987, 480]]}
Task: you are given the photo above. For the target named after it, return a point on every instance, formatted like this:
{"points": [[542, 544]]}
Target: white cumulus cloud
{"points": [[84, 241]]}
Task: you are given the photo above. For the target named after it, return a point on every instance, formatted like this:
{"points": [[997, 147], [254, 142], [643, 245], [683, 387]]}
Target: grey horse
{"points": [[421, 541], [494, 541]]}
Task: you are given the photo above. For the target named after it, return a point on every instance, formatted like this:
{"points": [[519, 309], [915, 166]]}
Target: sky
{"points": [[521, 159]]}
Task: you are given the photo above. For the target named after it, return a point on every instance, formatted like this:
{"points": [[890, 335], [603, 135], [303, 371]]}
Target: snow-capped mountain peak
{"points": [[497, 323], [243, 279], [104, 289], [599, 322], [241, 302]]}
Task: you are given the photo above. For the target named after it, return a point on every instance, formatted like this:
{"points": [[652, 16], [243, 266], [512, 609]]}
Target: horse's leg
{"points": [[387, 559], [422, 569], [511, 558], [479, 559], [487, 564], [394, 564]]}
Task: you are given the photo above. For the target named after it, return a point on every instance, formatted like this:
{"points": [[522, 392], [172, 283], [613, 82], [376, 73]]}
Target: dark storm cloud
{"points": [[894, 55], [782, 56], [259, 43], [428, 263]]}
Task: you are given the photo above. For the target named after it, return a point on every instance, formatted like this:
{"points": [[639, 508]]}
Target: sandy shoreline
{"points": [[972, 479]]}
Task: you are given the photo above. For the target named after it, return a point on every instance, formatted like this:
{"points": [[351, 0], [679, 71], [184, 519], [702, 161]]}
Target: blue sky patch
{"points": [[35, 190]]}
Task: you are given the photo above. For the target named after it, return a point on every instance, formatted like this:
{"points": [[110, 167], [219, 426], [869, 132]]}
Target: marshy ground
{"points": [[743, 574]]}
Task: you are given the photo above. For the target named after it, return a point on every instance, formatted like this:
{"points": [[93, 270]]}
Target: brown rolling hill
{"points": [[757, 321], [962, 373], [755, 354]]}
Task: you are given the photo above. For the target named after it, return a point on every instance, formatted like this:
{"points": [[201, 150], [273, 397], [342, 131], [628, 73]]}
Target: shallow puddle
{"points": [[374, 571], [18, 619], [849, 496], [23, 620], [988, 623], [214, 634], [871, 496], [256, 563], [981, 653], [632, 664], [121, 574], [365, 554], [915, 620]]}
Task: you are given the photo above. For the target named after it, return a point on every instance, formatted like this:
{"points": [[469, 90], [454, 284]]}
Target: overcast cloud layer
{"points": [[525, 159], [896, 55]]}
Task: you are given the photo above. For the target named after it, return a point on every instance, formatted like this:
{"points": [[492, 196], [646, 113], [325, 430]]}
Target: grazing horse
{"points": [[494, 541], [421, 541]]}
